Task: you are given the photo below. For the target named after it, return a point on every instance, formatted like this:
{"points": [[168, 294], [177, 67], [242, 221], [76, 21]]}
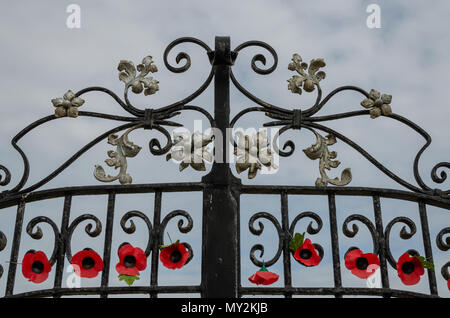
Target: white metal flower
{"points": [[252, 152], [67, 105], [378, 104], [191, 150], [138, 82], [307, 80]]}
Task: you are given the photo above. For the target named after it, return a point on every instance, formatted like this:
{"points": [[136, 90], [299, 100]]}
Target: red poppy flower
{"points": [[448, 283], [87, 263], [263, 277], [306, 254], [362, 265], [35, 266], [409, 269], [174, 256], [131, 260]]}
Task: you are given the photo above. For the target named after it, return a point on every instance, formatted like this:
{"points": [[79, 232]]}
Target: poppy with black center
{"points": [[409, 269], [263, 277], [306, 254], [132, 260], [36, 266], [174, 256], [362, 265], [87, 263]]}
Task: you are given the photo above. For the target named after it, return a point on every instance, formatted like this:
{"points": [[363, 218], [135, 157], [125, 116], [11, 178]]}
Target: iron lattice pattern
{"points": [[221, 265]]}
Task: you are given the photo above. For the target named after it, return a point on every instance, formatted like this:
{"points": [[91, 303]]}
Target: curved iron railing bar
{"points": [[178, 105], [365, 154], [288, 143], [266, 105], [127, 107], [7, 178], [154, 144], [132, 227], [259, 57], [445, 271], [443, 175], [181, 228], [88, 229], [258, 232], [310, 229], [182, 55], [108, 116], [404, 234], [318, 106], [441, 244], [336, 116], [71, 159], [355, 229], [37, 235]]}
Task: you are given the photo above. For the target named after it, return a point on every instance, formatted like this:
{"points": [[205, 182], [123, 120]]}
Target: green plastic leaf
{"points": [[263, 268], [164, 246], [296, 241], [425, 263], [129, 279]]}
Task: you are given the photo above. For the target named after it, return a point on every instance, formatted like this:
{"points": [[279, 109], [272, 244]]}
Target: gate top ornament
{"points": [[251, 153]]}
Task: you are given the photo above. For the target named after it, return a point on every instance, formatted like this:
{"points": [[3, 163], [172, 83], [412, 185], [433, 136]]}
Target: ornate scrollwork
{"points": [[443, 245], [352, 232], [7, 178], [117, 159], [310, 229], [306, 80], [138, 82], [181, 227], [320, 151], [36, 233], [404, 234], [88, 229], [132, 227], [259, 231]]}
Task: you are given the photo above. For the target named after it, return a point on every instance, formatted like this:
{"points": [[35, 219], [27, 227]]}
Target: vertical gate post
{"points": [[220, 254]]}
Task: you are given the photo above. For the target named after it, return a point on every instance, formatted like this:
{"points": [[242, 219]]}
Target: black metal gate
{"points": [[220, 274]]}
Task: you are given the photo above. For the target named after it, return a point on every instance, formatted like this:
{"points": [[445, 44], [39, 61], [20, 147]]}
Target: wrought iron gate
{"points": [[220, 274]]}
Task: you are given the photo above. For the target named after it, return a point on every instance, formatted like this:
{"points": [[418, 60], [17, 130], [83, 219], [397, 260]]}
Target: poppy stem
{"points": [[169, 238]]}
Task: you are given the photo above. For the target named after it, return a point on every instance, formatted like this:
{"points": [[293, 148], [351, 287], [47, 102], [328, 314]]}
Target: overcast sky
{"points": [[407, 57]]}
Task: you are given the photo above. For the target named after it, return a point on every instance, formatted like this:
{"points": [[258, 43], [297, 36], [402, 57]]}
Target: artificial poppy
{"points": [[35, 266], [174, 255], [448, 283], [306, 254], [132, 260], [409, 269], [87, 263], [263, 277], [362, 265]]}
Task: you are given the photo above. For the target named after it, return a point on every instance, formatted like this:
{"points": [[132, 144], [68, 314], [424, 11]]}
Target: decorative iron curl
{"points": [[88, 229], [182, 55], [441, 244], [355, 229], [155, 146], [310, 229], [181, 227], [259, 57], [443, 175], [3, 242], [35, 232], [404, 234], [258, 231], [132, 227], [288, 144], [5, 181]]}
